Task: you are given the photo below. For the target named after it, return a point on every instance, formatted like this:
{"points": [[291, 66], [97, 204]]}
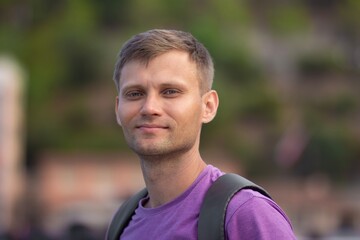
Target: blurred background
{"points": [[287, 73]]}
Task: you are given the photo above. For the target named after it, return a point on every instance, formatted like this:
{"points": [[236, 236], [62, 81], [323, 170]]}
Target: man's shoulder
{"points": [[259, 217], [247, 197], [249, 206]]}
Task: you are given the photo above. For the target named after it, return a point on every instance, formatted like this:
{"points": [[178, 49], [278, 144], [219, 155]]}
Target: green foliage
{"points": [[330, 151], [69, 48], [341, 106], [349, 12], [259, 104], [288, 18], [320, 62]]}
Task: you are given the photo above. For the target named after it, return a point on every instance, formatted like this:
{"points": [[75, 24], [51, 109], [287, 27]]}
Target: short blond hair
{"points": [[146, 46]]}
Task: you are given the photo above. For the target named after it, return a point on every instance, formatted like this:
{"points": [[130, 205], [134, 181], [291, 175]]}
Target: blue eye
{"points": [[132, 95], [171, 92]]}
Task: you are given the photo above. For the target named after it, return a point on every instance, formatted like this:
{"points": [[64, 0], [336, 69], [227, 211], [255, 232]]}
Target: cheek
{"points": [[125, 114], [187, 114]]}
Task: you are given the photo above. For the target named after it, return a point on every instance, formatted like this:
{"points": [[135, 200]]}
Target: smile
{"points": [[150, 128]]}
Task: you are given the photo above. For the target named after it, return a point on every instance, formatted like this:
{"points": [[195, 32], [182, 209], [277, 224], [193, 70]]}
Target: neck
{"points": [[167, 177]]}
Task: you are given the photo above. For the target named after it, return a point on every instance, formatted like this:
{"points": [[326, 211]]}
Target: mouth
{"points": [[151, 126]]}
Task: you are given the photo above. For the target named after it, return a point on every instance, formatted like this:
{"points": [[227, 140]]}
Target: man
{"points": [[164, 82]]}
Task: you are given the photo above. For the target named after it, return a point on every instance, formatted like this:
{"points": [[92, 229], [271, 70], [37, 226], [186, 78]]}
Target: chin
{"points": [[149, 151]]}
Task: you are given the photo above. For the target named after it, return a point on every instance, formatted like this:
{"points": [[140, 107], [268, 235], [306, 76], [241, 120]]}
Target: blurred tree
{"points": [[329, 152], [69, 49]]}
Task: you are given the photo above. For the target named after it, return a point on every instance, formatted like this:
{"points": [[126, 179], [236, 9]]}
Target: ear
{"points": [[210, 106], [117, 110]]}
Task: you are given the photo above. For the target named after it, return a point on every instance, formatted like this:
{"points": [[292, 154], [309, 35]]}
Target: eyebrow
{"points": [[125, 88], [173, 85], [170, 84]]}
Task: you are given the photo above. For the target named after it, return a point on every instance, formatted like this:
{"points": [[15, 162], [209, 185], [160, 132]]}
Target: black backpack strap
{"points": [[123, 216], [213, 209]]}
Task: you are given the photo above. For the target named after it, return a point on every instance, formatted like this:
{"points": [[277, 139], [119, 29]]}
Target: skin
{"points": [[161, 110]]}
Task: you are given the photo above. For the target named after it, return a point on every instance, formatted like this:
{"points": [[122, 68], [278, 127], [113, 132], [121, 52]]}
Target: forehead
{"points": [[168, 66]]}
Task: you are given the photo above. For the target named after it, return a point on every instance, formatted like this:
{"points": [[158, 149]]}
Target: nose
{"points": [[151, 106]]}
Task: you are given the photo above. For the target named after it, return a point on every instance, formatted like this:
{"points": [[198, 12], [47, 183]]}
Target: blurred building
{"points": [[11, 138], [86, 188], [83, 188]]}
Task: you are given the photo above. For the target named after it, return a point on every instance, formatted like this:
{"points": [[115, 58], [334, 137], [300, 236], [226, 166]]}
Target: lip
{"points": [[150, 128]]}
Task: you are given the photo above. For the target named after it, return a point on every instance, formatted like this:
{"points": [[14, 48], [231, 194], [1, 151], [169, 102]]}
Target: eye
{"points": [[171, 92], [133, 95]]}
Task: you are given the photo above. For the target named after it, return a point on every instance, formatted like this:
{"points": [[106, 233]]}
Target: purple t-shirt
{"points": [[250, 215]]}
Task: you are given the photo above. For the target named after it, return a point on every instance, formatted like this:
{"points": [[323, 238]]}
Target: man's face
{"points": [[159, 106]]}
